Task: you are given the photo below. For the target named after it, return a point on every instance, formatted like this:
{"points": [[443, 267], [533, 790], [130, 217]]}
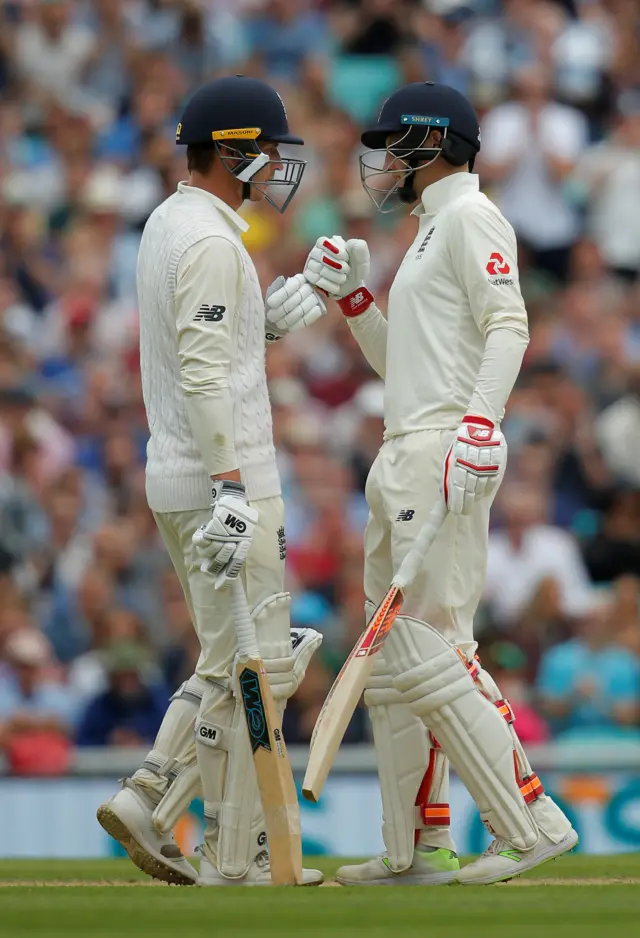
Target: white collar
{"points": [[440, 193], [194, 192]]}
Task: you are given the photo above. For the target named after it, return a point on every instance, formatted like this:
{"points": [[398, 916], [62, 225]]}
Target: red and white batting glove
{"points": [[474, 464], [340, 268]]}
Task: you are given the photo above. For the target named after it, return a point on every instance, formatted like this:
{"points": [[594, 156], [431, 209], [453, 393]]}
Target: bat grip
{"points": [[410, 566], [245, 628]]}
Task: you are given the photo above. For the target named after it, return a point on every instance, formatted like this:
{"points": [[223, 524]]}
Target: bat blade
{"points": [[273, 770], [345, 693]]}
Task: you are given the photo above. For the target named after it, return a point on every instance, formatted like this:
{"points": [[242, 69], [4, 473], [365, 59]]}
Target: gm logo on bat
{"points": [[254, 710]]}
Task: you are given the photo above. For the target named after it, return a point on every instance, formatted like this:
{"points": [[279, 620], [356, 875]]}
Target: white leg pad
{"points": [[403, 751], [406, 761], [286, 654], [434, 680], [214, 743], [549, 818], [169, 768], [240, 819]]}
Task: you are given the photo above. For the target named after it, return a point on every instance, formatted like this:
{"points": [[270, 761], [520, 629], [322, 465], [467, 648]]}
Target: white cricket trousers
{"points": [[210, 609], [404, 483]]}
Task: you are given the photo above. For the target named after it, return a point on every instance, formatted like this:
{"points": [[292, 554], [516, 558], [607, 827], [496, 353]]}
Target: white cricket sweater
{"points": [[202, 354], [456, 328]]}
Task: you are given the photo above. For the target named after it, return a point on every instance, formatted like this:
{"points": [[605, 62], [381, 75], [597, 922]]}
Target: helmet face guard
{"points": [[241, 154], [387, 173]]}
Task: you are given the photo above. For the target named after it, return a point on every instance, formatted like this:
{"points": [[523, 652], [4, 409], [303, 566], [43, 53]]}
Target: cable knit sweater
{"points": [[202, 354]]}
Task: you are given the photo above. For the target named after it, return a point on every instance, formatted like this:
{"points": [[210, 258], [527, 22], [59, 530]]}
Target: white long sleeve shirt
{"points": [[202, 354], [456, 328]]}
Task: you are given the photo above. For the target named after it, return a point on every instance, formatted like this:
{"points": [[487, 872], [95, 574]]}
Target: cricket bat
{"points": [[275, 778], [349, 685]]}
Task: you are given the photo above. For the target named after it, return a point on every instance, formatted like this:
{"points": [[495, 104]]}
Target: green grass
{"points": [[591, 904]]}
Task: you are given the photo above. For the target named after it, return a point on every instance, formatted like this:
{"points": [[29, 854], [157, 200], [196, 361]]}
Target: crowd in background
{"points": [[94, 632]]}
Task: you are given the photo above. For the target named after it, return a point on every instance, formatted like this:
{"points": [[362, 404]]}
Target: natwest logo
{"points": [[497, 265]]}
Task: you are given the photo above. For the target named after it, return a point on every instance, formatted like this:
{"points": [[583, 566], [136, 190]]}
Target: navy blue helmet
{"points": [[410, 115], [235, 115]]}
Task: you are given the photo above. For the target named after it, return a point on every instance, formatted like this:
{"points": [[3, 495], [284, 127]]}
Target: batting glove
{"points": [[474, 464], [340, 268], [225, 541], [286, 674], [290, 305]]}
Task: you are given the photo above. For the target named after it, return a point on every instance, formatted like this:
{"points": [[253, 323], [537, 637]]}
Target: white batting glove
{"points": [[341, 277], [225, 541], [474, 464], [290, 305], [286, 674]]}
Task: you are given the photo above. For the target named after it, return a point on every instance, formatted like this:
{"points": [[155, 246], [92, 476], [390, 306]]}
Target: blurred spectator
{"points": [[591, 683], [607, 178], [283, 36], [51, 49], [617, 428], [530, 145], [525, 553], [130, 711], [37, 713], [614, 550]]}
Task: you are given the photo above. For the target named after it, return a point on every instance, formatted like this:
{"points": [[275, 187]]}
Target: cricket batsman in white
{"points": [[211, 477], [449, 351]]}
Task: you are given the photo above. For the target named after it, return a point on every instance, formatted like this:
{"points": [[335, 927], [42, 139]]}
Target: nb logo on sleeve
{"points": [[209, 313], [406, 514]]}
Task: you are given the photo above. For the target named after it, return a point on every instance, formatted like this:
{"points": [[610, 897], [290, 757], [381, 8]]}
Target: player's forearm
{"points": [[210, 411], [370, 332], [499, 369]]}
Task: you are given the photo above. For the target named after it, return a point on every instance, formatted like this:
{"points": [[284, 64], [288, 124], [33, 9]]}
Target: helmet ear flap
{"points": [[457, 151]]}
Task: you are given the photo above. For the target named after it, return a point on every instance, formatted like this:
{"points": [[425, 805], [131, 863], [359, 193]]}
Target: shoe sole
{"points": [[437, 879], [139, 855], [553, 853], [231, 884]]}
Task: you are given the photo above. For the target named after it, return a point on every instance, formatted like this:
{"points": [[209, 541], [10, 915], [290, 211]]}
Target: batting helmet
{"points": [[235, 115], [414, 112]]}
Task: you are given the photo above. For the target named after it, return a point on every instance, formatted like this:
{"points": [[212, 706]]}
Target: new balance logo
{"points": [[209, 313], [357, 299], [406, 514], [236, 524], [423, 246], [282, 544]]}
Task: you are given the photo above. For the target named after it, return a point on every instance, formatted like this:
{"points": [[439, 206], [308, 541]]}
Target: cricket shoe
{"points": [[259, 874], [128, 818], [501, 861], [432, 866]]}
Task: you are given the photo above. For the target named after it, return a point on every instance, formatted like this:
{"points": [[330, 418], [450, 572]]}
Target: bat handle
{"points": [[245, 628], [409, 567]]}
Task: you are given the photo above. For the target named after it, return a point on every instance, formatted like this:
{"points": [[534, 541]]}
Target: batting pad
{"points": [[433, 678], [169, 769], [403, 753], [285, 655], [549, 818]]}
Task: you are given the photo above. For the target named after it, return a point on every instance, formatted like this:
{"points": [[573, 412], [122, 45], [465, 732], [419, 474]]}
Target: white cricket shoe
{"points": [[430, 867], [128, 818], [259, 874], [501, 861]]}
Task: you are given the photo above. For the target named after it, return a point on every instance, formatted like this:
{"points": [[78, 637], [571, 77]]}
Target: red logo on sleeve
{"points": [[497, 265]]}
